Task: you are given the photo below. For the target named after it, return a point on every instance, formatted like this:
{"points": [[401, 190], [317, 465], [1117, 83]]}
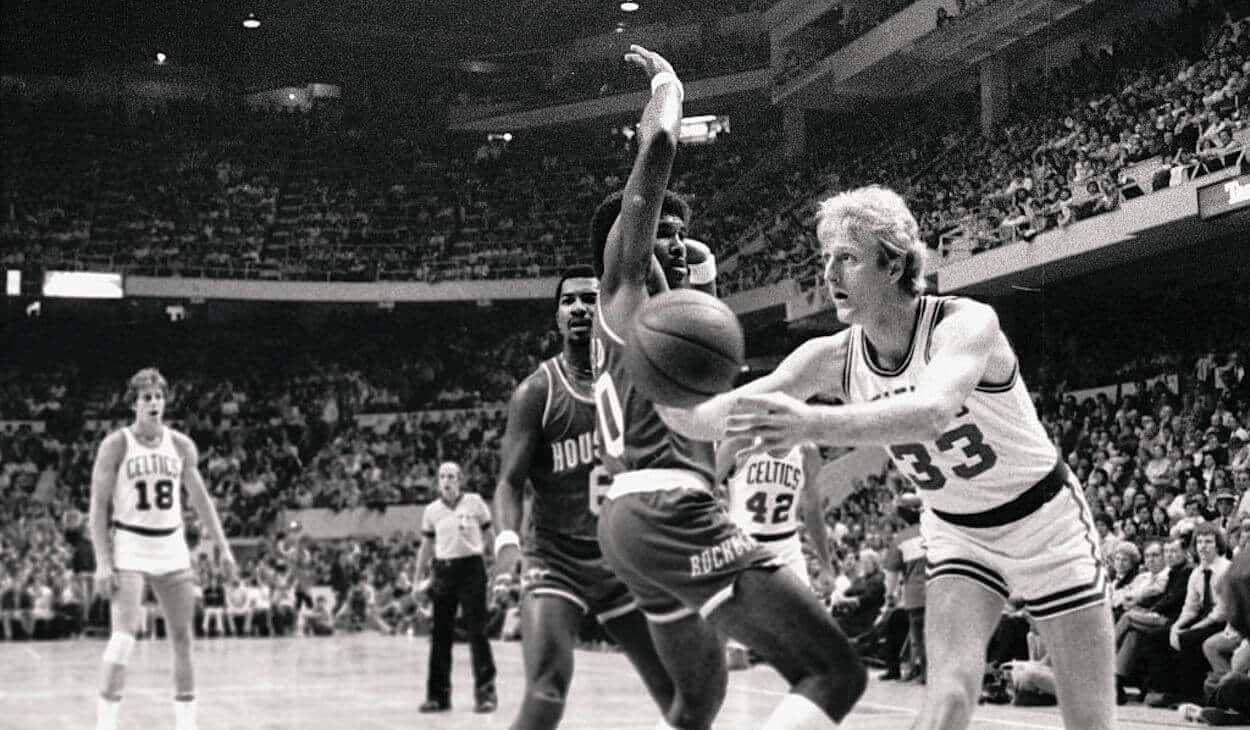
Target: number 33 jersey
{"points": [[994, 449]]}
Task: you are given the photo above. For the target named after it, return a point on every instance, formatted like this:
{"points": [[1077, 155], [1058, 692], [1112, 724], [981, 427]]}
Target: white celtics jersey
{"points": [[991, 451], [148, 494], [764, 491]]}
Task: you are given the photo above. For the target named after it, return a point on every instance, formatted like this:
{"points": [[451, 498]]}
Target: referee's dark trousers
{"points": [[460, 582]]}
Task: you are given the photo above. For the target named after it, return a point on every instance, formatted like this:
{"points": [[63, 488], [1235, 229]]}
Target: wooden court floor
{"points": [[375, 682]]}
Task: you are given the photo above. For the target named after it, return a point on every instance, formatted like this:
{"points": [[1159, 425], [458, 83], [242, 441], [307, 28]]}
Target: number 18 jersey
{"points": [[994, 449], [148, 493]]}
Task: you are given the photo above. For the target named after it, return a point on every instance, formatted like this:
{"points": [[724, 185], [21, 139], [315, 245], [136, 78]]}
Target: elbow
{"points": [[660, 145]]}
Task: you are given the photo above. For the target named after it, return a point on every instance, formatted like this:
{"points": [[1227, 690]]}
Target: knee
{"points": [[956, 685], [180, 637], [695, 710]]}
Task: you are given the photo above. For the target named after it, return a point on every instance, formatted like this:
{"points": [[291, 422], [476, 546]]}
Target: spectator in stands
{"points": [[1149, 621], [857, 609], [1200, 617], [238, 608]]}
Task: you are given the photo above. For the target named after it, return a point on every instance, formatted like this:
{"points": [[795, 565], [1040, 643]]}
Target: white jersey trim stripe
{"points": [[603, 322], [564, 380], [550, 387]]}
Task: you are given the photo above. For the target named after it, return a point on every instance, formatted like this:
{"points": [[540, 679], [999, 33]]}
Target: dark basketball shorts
{"points": [[575, 571], [665, 535]]}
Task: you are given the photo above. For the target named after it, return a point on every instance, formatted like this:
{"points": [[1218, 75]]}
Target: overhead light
{"points": [[619, 29], [291, 96], [629, 6], [160, 59], [251, 22]]}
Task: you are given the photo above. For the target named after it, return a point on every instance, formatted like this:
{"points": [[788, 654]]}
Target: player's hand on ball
{"points": [[650, 61], [105, 580], [771, 422]]}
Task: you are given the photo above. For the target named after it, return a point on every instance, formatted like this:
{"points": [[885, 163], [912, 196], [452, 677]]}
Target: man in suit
{"points": [[1150, 619]]}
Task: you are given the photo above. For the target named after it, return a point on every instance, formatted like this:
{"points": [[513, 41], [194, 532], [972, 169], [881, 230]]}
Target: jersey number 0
{"points": [[611, 416]]}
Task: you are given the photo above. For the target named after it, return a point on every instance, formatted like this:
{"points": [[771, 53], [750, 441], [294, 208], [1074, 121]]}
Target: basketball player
{"points": [[936, 382], [660, 527], [762, 491], [551, 442], [137, 533]]}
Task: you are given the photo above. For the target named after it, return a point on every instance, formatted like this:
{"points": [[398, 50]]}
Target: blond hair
{"points": [[145, 378], [878, 215]]}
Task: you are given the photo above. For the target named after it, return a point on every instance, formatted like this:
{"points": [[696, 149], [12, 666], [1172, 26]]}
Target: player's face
{"points": [[857, 284], [670, 249], [150, 405], [449, 482], [576, 310]]}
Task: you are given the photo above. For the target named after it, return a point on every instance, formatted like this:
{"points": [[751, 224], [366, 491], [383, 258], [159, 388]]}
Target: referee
{"points": [[455, 528]]}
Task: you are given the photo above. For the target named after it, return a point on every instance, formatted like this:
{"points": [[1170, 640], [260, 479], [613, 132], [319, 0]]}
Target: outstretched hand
{"points": [[770, 422], [649, 61]]}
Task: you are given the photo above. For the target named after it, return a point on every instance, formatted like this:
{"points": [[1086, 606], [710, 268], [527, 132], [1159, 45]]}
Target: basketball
{"points": [[685, 347]]}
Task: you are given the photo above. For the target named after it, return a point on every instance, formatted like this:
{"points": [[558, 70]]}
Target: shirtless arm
{"points": [[201, 501], [814, 367], [103, 481], [962, 345], [628, 256], [520, 440]]}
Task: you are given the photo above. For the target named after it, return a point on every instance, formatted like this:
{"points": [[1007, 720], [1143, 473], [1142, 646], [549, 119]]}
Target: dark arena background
{"points": [[337, 229]]}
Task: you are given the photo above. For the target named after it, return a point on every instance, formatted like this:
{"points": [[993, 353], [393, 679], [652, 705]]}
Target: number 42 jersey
{"points": [[994, 449]]}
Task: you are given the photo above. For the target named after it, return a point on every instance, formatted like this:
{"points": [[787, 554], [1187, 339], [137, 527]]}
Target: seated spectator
{"points": [[319, 620], [858, 608], [1177, 663], [1149, 620], [238, 608], [214, 622]]}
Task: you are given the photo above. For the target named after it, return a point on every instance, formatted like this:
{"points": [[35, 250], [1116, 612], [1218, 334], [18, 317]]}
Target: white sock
{"points": [[106, 713], [184, 714], [796, 712], [662, 724]]}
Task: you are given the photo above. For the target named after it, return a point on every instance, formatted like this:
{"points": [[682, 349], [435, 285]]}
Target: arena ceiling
{"points": [[420, 39]]}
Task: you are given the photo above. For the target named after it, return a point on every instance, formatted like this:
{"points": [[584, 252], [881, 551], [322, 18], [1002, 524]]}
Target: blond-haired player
{"points": [[935, 381], [137, 531]]}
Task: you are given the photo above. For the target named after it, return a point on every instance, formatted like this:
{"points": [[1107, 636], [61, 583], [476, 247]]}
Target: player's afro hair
{"points": [[605, 215]]}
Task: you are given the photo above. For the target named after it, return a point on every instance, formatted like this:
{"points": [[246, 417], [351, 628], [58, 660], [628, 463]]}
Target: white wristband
{"points": [[504, 539], [668, 77], [704, 272]]}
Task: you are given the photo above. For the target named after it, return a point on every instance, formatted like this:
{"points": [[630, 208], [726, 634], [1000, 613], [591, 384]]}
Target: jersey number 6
{"points": [[980, 457]]}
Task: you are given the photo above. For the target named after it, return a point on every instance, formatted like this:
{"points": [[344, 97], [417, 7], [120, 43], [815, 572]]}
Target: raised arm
{"points": [[103, 481], [627, 255], [201, 501], [520, 440]]}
